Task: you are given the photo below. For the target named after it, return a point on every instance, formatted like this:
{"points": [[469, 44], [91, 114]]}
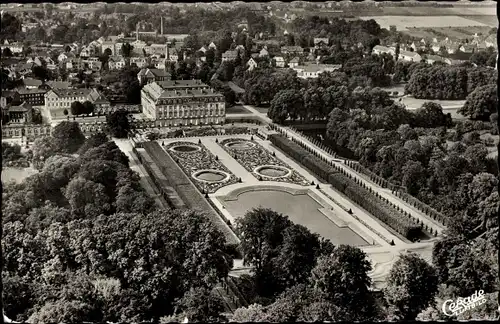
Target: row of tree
{"points": [[448, 82]]}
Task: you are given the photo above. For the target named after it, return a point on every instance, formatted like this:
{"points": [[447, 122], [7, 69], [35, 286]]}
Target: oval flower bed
{"points": [[253, 157], [198, 161]]}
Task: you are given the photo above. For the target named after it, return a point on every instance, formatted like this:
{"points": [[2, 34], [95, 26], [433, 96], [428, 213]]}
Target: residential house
{"points": [[24, 68], [491, 41], [49, 63], [91, 64], [3, 102], [65, 56], [15, 48], [212, 46], [311, 57], [431, 59], [264, 52], [469, 49], [280, 61], [141, 62], [436, 47], [108, 45], [138, 45], [203, 49], [294, 62], [229, 55], [252, 64], [294, 50], [30, 83], [58, 84], [19, 114], [116, 62], [85, 53], [321, 41], [173, 55], [10, 97], [153, 75], [451, 61], [159, 63], [378, 49], [71, 64], [409, 56], [453, 48], [158, 49], [313, 70]]}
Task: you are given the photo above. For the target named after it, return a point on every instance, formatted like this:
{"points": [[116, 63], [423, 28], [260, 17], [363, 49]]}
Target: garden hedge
{"points": [[364, 197]]}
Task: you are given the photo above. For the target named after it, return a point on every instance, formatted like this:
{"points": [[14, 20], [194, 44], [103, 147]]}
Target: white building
{"points": [[313, 70]]}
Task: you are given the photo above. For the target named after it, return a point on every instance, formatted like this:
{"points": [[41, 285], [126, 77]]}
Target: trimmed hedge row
{"points": [[400, 192], [375, 206], [301, 155], [362, 196]]}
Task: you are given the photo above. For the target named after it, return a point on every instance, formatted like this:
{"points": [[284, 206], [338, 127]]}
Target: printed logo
{"points": [[462, 305]]}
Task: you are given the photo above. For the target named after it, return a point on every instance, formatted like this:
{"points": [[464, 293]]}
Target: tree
{"points": [[65, 112], [41, 73], [94, 140], [11, 26], [88, 107], [481, 103], [77, 108], [68, 137], [118, 124], [43, 148], [254, 313], [414, 177], [342, 279], [412, 286], [108, 52], [261, 234], [284, 104], [127, 49], [431, 115], [200, 305], [7, 52], [87, 198]]}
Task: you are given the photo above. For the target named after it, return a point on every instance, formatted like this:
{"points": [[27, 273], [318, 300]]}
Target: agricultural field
{"points": [[404, 22], [451, 32], [490, 20]]}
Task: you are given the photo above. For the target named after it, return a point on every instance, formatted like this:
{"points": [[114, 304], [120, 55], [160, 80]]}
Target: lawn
{"points": [[16, 174], [301, 209], [237, 110], [262, 110], [413, 103]]}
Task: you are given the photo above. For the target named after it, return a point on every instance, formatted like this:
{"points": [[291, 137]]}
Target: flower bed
{"points": [[198, 160], [256, 156], [401, 222]]}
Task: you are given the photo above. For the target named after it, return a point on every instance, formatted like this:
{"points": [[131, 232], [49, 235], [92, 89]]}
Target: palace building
{"points": [[182, 102]]}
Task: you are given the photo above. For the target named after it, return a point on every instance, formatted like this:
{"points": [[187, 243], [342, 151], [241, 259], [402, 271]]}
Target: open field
{"points": [[16, 174], [237, 110], [403, 22], [486, 19], [451, 32]]}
